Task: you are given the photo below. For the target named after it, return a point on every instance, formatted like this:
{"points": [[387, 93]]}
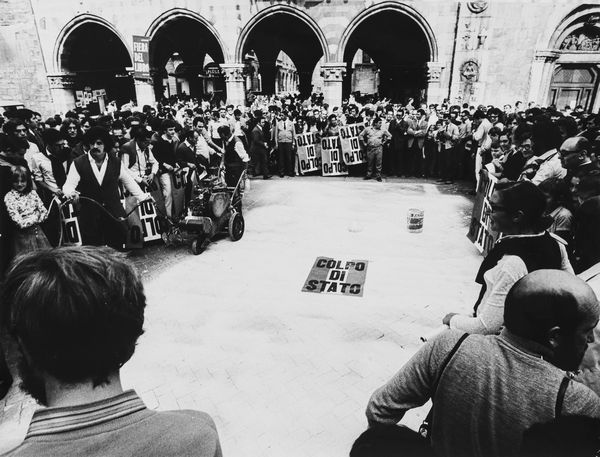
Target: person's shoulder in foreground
{"points": [[508, 382], [76, 315]]}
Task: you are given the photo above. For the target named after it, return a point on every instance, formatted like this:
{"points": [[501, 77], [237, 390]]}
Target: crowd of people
{"points": [[503, 379]]}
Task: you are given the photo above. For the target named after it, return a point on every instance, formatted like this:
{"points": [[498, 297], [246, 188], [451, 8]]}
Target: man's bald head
{"points": [[575, 152], [556, 309]]}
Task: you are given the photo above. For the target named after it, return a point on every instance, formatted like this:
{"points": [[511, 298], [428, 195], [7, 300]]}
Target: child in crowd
{"points": [[27, 211], [558, 198]]}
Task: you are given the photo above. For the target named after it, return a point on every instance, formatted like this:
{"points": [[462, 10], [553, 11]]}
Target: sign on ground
{"points": [[338, 277]]}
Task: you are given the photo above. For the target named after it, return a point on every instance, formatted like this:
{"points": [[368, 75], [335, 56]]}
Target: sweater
{"points": [[492, 390]]}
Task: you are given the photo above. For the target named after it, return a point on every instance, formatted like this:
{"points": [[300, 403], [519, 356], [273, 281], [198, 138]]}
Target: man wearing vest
{"points": [[138, 158], [97, 175], [236, 157]]}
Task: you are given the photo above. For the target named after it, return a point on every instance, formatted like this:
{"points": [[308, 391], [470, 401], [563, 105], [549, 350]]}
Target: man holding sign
{"points": [[373, 139]]}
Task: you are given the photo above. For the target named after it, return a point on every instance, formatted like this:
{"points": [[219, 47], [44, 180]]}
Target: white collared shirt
{"points": [[138, 169], [125, 178]]}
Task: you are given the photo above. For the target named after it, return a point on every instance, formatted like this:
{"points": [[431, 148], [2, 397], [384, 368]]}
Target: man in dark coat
{"points": [[259, 149]]}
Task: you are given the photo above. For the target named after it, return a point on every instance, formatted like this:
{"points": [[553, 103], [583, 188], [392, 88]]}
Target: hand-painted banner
{"points": [[309, 155], [352, 153], [340, 277], [332, 158], [480, 230], [70, 226], [134, 238]]}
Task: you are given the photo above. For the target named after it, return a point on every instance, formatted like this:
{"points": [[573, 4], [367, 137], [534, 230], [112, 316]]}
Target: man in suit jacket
{"points": [[259, 147], [416, 133]]}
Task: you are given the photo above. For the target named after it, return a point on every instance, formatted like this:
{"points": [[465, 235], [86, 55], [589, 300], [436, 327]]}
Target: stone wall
{"points": [[500, 42], [22, 72]]}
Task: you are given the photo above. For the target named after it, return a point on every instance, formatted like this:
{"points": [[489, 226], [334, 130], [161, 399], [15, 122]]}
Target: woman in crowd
{"points": [[517, 212]]}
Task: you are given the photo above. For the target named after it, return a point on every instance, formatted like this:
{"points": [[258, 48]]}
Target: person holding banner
{"points": [[97, 176], [373, 138]]}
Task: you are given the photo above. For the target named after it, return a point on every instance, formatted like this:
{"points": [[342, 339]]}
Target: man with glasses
{"points": [[515, 162]]}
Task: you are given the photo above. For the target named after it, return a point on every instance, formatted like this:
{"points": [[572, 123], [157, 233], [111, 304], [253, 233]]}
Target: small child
{"points": [[558, 198], [27, 211]]}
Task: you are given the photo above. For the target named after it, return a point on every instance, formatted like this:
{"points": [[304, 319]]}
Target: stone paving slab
{"points": [[284, 372]]}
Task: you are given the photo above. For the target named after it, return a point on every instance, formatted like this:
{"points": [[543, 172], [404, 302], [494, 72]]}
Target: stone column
{"points": [[333, 77], [541, 75], [144, 92], [62, 89], [234, 82], [435, 92]]}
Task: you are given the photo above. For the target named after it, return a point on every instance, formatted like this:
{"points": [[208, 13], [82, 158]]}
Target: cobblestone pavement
{"points": [[284, 372]]}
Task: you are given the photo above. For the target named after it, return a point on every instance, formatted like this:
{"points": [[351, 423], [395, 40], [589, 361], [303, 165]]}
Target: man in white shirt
{"points": [[96, 176]]}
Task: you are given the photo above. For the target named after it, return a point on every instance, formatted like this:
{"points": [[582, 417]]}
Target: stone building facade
{"points": [[496, 52]]}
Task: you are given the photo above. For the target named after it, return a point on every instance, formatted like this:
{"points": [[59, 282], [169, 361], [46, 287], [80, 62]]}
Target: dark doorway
{"points": [[290, 34], [99, 60], [572, 86], [189, 41], [400, 51]]}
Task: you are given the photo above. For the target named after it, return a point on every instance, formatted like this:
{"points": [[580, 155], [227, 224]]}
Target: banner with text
{"points": [[480, 229], [309, 154], [339, 277], [70, 226], [141, 57], [331, 157], [352, 153]]}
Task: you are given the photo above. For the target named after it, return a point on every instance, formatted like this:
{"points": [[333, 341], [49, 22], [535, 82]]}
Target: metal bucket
{"points": [[414, 220]]}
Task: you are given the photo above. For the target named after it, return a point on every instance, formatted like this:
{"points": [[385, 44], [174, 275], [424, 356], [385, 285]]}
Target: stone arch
{"points": [[401, 50], [91, 55], [176, 13], [568, 20], [72, 26], [389, 6], [280, 9], [283, 28], [170, 35]]}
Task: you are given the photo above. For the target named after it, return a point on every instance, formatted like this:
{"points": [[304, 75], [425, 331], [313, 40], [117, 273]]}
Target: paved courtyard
{"points": [[283, 372]]}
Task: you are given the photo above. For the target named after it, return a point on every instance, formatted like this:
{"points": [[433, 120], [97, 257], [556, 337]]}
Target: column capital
{"points": [[434, 72], [333, 71], [61, 81], [546, 55], [234, 72]]}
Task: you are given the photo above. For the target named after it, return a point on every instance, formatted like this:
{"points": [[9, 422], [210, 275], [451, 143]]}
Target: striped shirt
{"points": [[120, 426]]}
